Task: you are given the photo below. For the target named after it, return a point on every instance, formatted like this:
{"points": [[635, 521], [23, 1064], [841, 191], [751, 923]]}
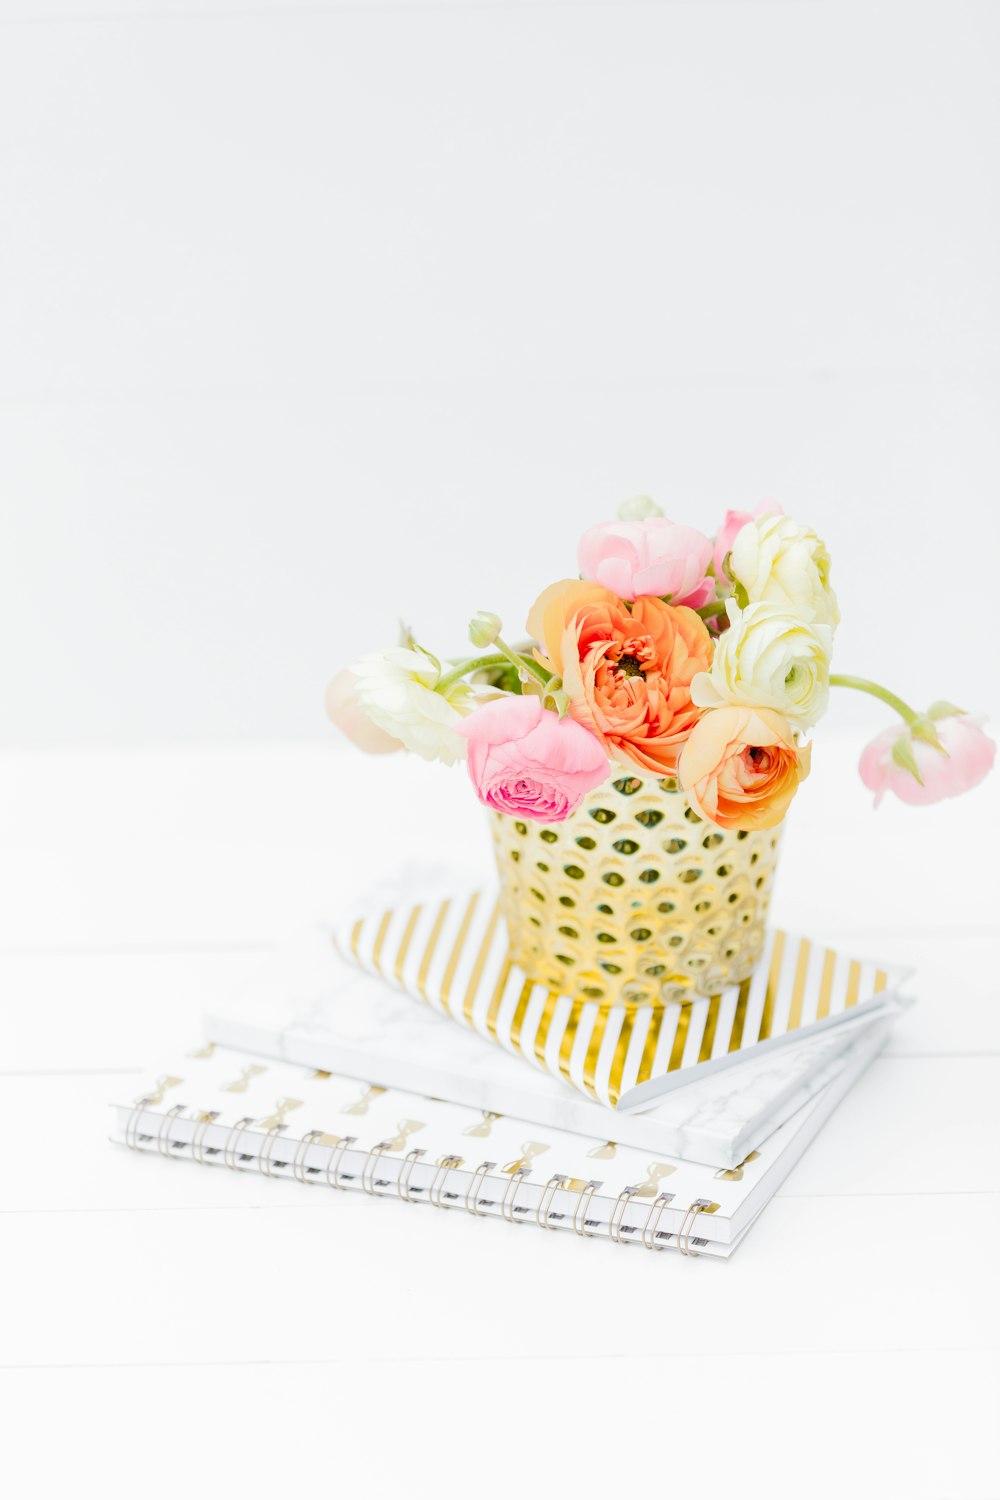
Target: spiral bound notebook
{"points": [[450, 951], [306, 1005], [224, 1108]]}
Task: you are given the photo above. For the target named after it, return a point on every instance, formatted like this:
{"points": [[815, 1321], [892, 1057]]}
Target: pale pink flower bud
{"points": [[966, 757], [344, 710]]}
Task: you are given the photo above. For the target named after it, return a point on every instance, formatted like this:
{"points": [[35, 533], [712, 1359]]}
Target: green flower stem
{"points": [[495, 659], [470, 664], [533, 666], [862, 685], [710, 611]]}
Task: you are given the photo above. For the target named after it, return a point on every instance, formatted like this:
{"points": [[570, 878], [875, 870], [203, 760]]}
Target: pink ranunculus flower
{"points": [[654, 558], [733, 523], [524, 760], [968, 757]]}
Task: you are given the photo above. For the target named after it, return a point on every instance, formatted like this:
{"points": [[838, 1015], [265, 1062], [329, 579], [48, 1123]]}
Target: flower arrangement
{"points": [[672, 655]]}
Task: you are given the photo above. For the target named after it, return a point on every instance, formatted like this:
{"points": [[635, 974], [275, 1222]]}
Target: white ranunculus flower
{"points": [[769, 658], [396, 689], [777, 561]]}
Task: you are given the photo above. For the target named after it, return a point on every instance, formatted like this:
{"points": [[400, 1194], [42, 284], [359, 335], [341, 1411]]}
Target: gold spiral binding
{"points": [[301, 1152], [650, 1227], [230, 1150], [475, 1187], [507, 1206], [684, 1233], [198, 1136], [368, 1170], [264, 1164], [545, 1201], [446, 1165], [335, 1159], [582, 1204], [171, 1114], [650, 1235], [406, 1172], [132, 1123], [618, 1214]]}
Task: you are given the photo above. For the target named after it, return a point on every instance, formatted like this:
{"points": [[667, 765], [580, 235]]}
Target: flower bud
{"points": [[484, 628], [901, 761], [638, 508]]}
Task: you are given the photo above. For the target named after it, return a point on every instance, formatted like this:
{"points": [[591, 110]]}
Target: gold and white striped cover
{"points": [[451, 953]]}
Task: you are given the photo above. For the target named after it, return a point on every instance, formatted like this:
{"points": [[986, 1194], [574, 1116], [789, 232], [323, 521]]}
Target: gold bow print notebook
{"points": [[450, 952], [228, 1109]]}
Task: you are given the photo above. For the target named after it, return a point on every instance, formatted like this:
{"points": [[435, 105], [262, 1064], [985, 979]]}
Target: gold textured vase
{"points": [[634, 898]]}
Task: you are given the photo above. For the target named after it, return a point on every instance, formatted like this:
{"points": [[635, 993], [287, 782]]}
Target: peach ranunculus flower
{"points": [[627, 670], [741, 767]]}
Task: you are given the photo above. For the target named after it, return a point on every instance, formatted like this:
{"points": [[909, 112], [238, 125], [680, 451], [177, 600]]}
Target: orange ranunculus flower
{"points": [[627, 669], [741, 767]]}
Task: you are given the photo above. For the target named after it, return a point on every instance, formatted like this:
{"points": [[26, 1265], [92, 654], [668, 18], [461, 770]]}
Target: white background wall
{"points": [[314, 315]]}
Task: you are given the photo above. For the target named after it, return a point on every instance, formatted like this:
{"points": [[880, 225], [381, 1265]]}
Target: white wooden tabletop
{"points": [[177, 1331]]}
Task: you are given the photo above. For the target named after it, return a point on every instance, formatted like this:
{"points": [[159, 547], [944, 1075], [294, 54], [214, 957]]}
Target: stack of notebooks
{"points": [[401, 1054]]}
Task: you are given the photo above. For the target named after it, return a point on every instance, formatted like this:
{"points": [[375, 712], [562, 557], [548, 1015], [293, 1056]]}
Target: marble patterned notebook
{"points": [[308, 1006], [450, 952], [219, 1107]]}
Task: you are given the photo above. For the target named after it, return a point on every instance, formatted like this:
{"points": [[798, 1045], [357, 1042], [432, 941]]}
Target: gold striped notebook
{"points": [[450, 952]]}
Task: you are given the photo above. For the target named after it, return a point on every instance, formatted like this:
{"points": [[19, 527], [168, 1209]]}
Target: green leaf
{"points": [[943, 710], [902, 754], [923, 729], [416, 646], [740, 595]]}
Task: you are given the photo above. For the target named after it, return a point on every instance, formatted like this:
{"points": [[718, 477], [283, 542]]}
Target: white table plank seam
{"points": [[377, 1361]]}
